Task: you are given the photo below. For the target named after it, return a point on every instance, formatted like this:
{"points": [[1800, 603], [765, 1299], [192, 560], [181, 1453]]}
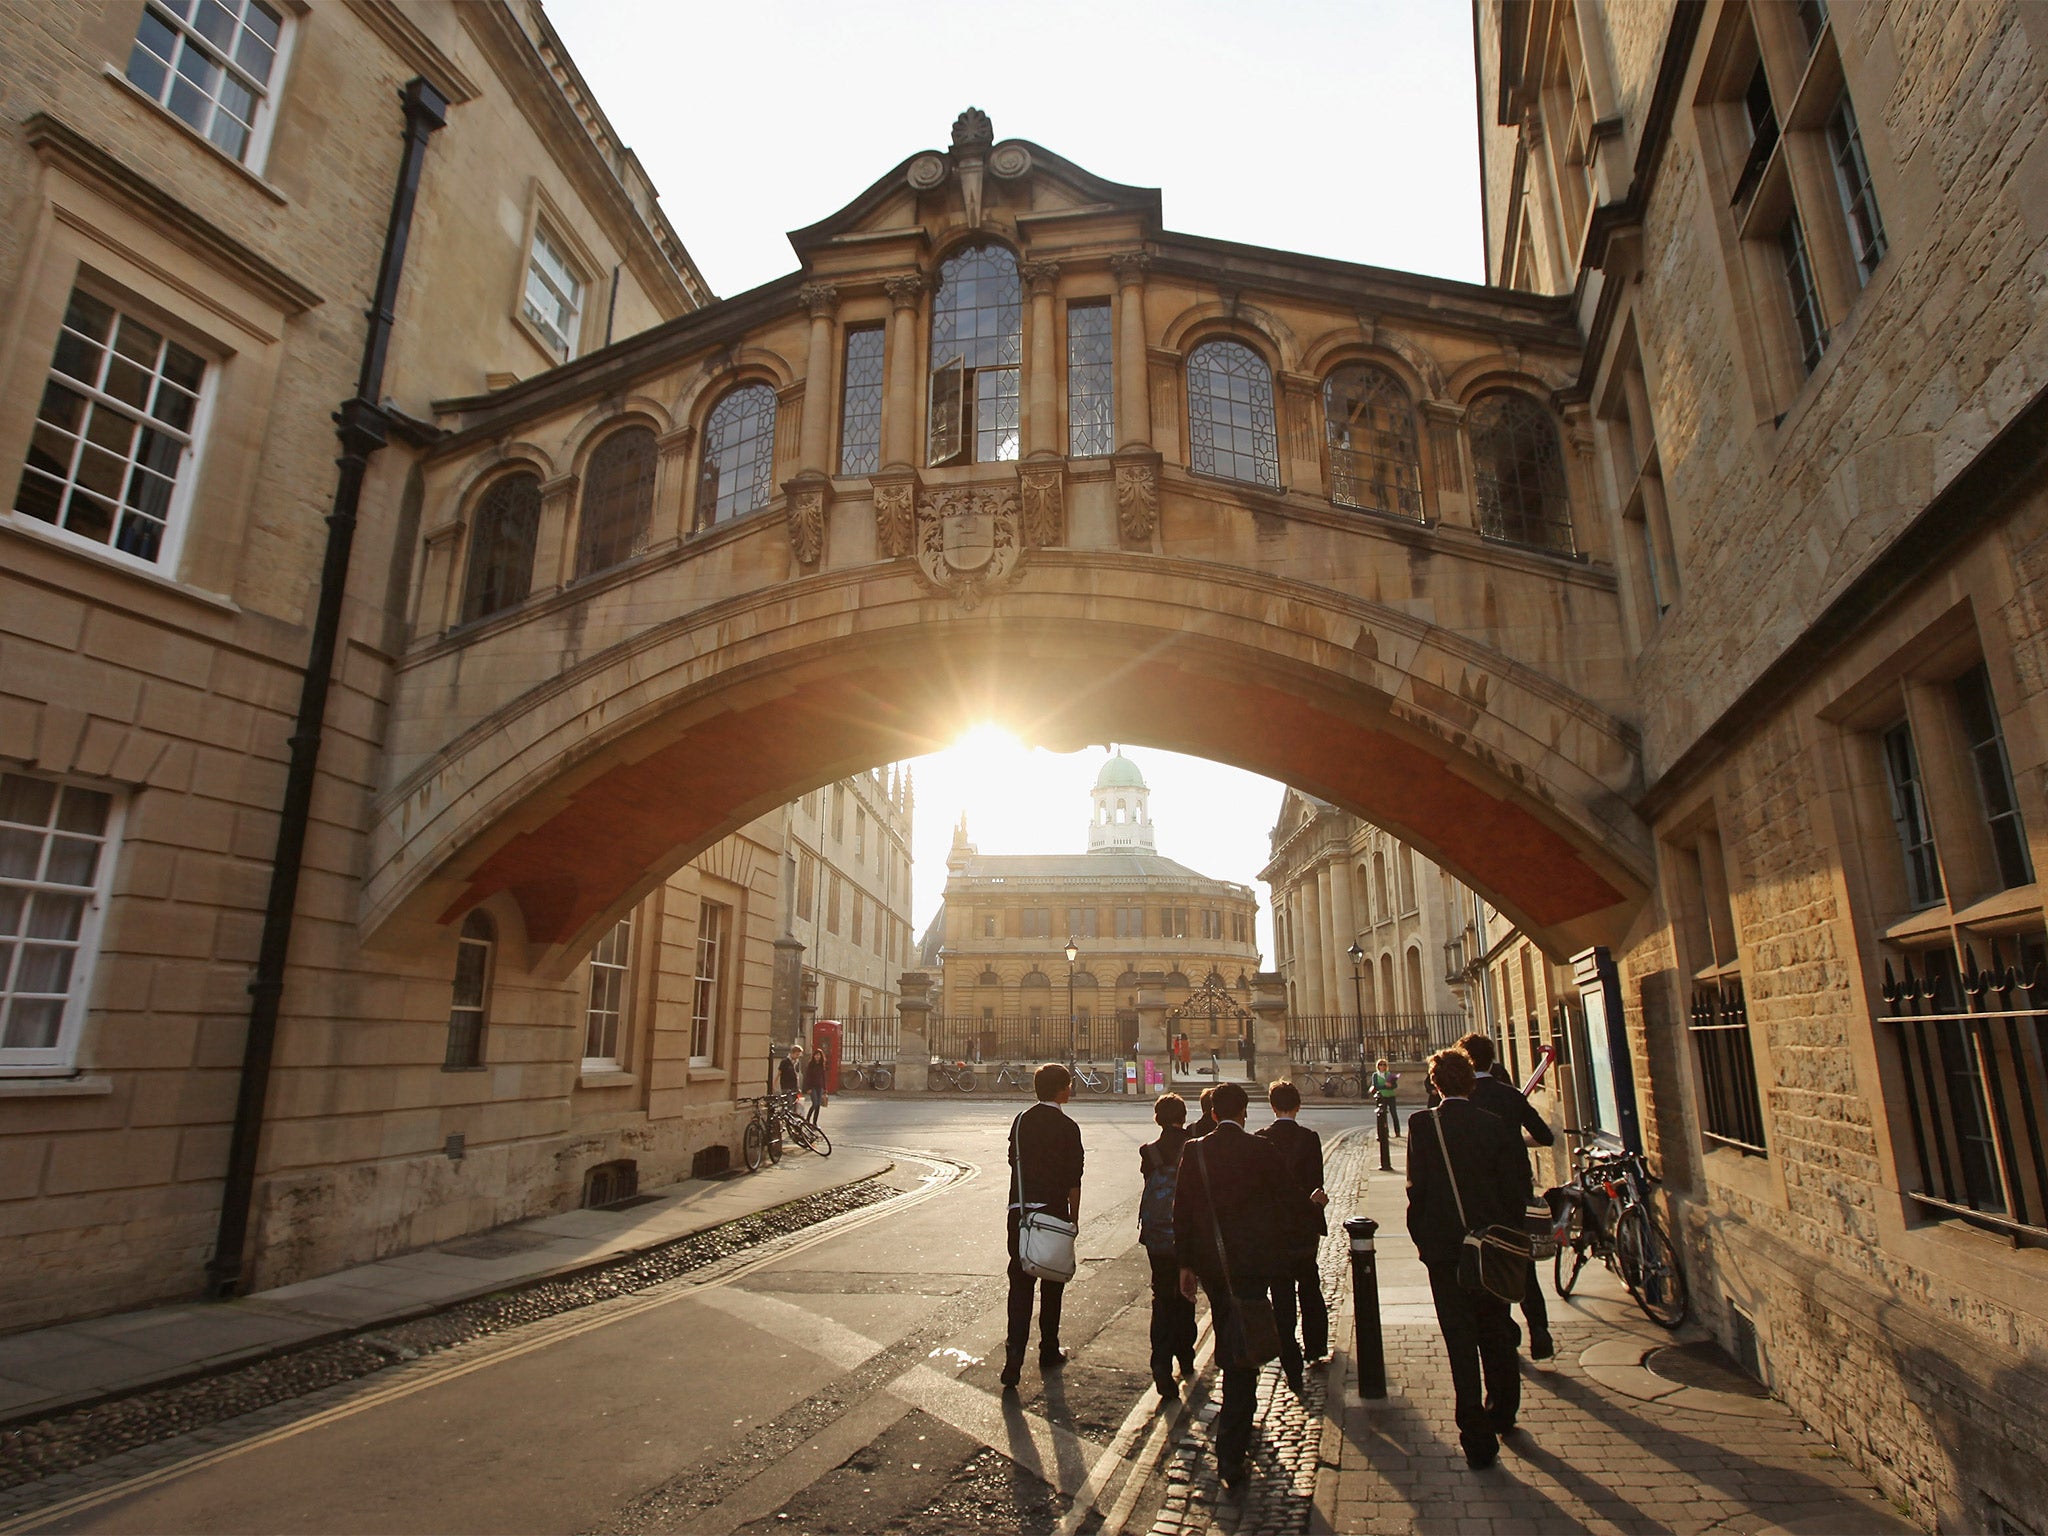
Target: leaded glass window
{"points": [[1518, 469], [1230, 414], [1852, 182], [977, 325], [1375, 462], [208, 62], [113, 432], [501, 536], [1091, 400], [860, 412], [618, 497], [738, 474]]}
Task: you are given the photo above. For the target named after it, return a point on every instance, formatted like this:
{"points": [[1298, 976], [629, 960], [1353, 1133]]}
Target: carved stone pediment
{"points": [[968, 541]]}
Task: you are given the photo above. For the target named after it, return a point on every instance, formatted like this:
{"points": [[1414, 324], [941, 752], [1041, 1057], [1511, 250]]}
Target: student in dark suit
{"points": [[1206, 1122], [789, 1075], [1497, 1096], [1493, 1181], [1049, 1146], [1302, 1149], [1243, 1183], [1173, 1315]]}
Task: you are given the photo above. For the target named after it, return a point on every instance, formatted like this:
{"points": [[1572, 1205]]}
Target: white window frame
{"points": [[621, 1015], [60, 1059], [257, 153], [707, 989], [562, 343], [178, 515]]}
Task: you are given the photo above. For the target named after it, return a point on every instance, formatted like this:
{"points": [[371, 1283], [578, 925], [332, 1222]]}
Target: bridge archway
{"points": [[577, 796]]}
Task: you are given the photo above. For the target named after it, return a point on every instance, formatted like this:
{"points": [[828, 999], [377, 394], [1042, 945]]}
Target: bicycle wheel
{"points": [[965, 1081], [818, 1141], [1648, 1266], [1098, 1082], [753, 1145], [1570, 1257], [934, 1079], [805, 1134], [883, 1079], [775, 1143]]}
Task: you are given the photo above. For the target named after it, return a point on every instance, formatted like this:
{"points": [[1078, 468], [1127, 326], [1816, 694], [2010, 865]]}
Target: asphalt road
{"points": [[845, 1385]]}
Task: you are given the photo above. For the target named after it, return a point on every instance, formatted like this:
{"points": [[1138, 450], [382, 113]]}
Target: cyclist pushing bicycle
{"points": [[1386, 1088]]}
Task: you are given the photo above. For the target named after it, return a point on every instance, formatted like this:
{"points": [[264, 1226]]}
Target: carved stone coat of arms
{"points": [[967, 541]]}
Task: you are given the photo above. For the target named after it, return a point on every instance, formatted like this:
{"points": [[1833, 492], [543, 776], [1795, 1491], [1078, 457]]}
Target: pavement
{"points": [[1607, 1445], [51, 1370]]}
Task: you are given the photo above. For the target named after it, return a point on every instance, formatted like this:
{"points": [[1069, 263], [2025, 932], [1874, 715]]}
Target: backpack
{"points": [[1155, 1208]]}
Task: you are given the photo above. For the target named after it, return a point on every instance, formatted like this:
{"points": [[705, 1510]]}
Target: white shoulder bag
{"points": [[1045, 1242]]}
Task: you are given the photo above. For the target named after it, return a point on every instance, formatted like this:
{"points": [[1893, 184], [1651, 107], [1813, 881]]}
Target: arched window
{"points": [[738, 473], [977, 345], [468, 1009], [501, 533], [1518, 469], [618, 496], [989, 978], [1035, 978], [1415, 997], [1390, 1000], [1085, 979], [1375, 462], [1230, 414], [1382, 907], [1176, 978]]}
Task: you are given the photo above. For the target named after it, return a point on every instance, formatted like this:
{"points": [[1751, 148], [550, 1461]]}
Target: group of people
{"points": [[1240, 1216], [797, 1075]]}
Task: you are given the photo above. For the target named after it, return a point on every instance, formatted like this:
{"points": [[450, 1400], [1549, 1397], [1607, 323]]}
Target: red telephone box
{"points": [[825, 1037]]}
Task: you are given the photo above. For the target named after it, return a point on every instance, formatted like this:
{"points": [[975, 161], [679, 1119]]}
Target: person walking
{"points": [[1302, 1150], [1236, 1215], [1045, 1175], [1459, 1139], [814, 1082], [1386, 1090], [789, 1074], [1173, 1315], [1501, 1099]]}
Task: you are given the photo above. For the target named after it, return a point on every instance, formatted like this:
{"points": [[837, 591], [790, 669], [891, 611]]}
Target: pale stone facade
{"points": [[847, 874]]}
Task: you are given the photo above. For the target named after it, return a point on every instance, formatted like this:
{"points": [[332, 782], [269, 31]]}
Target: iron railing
{"points": [[1971, 1043], [1731, 1109], [1010, 1037], [1339, 1040], [871, 1037]]}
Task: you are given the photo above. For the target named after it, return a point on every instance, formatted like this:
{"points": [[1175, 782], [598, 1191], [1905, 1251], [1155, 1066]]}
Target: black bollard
{"points": [[1370, 1348]]}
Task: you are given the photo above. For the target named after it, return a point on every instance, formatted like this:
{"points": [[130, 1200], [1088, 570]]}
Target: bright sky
{"points": [[1341, 128]]}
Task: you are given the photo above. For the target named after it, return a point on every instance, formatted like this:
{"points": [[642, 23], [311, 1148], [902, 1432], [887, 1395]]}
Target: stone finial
{"points": [[972, 132]]}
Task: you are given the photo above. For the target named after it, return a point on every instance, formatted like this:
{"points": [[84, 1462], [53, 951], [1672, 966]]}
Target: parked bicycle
{"points": [[957, 1075], [1606, 1211], [1013, 1074], [869, 1074], [1339, 1085], [762, 1138], [810, 1137], [1089, 1078]]}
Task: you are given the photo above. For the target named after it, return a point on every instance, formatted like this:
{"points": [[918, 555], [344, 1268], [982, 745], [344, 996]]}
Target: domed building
{"points": [[1133, 917]]}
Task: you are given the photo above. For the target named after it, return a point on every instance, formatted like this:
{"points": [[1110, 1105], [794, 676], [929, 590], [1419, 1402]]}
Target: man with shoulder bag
{"points": [[1468, 1184], [1302, 1291], [1045, 1213], [1503, 1100], [1237, 1218]]}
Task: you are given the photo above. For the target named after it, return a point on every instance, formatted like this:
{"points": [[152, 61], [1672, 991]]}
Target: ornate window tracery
{"points": [[738, 471], [1231, 428], [977, 346], [618, 496], [501, 537], [1375, 457], [1518, 467]]}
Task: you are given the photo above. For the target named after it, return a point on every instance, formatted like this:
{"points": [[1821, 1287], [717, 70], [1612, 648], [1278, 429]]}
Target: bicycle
{"points": [[1606, 1211], [810, 1137], [957, 1075], [763, 1135], [1012, 1075], [1089, 1078], [1339, 1085], [871, 1074]]}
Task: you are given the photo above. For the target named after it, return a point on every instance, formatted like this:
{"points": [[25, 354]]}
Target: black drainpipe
{"points": [[362, 425]]}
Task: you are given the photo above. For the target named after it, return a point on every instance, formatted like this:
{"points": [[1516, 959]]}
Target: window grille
{"points": [[501, 539], [1375, 462], [977, 347], [1091, 403], [1910, 819], [610, 971], [467, 1011], [1852, 182], [1994, 777], [54, 868], [554, 294], [1518, 467], [114, 431], [711, 923], [1231, 428], [209, 64], [738, 471], [860, 411], [1971, 1044], [1801, 293], [618, 497], [1730, 1108]]}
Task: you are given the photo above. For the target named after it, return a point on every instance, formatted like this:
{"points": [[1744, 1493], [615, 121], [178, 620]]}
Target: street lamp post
{"points": [[1073, 954], [1358, 1009]]}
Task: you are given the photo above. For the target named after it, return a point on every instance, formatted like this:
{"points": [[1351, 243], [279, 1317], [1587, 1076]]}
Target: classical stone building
{"points": [[1136, 919], [847, 874], [1340, 882]]}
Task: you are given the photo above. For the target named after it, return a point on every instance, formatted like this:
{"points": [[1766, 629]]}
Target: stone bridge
{"points": [[1004, 448]]}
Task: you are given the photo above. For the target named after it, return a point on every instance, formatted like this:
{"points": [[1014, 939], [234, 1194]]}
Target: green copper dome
{"points": [[1119, 773]]}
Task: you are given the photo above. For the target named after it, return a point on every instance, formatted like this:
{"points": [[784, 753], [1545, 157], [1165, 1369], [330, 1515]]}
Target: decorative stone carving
{"points": [[1137, 501], [677, 444], [820, 299], [1009, 161], [967, 545], [973, 133], [1039, 276], [927, 171], [1045, 513], [1130, 268], [806, 523], [905, 289], [893, 519]]}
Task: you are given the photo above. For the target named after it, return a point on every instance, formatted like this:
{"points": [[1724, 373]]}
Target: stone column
{"points": [[1152, 1016], [1308, 969], [913, 1040], [1041, 411], [1302, 431], [673, 482], [1345, 914], [1333, 943], [901, 422], [1133, 398], [1441, 419], [553, 558], [815, 441]]}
